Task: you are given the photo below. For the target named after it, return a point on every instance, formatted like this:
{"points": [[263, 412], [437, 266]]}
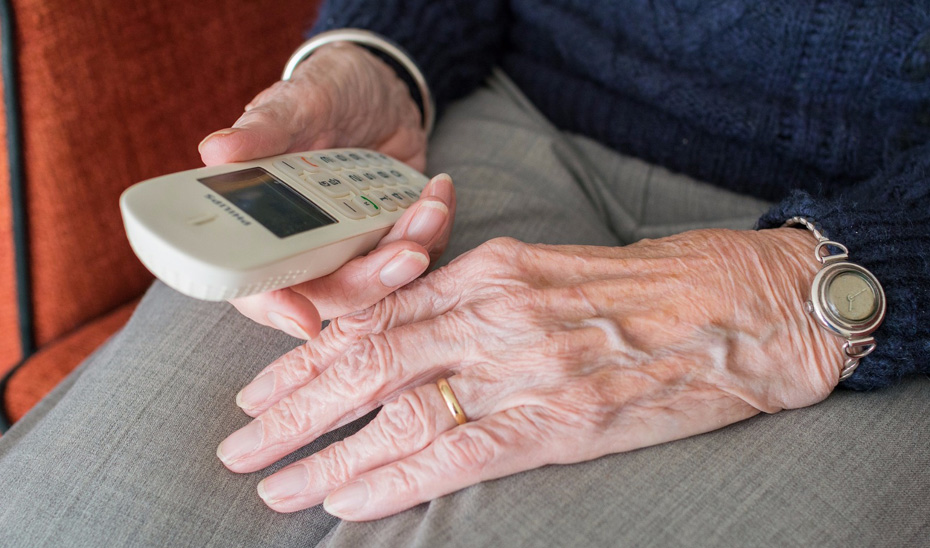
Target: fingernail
{"points": [[347, 500], [240, 443], [288, 325], [403, 268], [426, 223], [219, 133], [256, 392], [440, 186], [284, 484]]}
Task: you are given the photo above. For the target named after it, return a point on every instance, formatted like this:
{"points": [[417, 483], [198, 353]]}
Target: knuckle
{"points": [[443, 285], [317, 95], [266, 94], [406, 421], [382, 314], [374, 319], [349, 327], [504, 244], [262, 114], [297, 365], [403, 478], [336, 467], [500, 265], [467, 449], [367, 364], [287, 419], [503, 249]]}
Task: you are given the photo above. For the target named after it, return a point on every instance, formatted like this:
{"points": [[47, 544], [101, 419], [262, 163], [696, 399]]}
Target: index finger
{"points": [[371, 372], [404, 254], [427, 223]]}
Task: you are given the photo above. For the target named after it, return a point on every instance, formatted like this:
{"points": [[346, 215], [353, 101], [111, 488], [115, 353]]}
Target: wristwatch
{"points": [[846, 299]]}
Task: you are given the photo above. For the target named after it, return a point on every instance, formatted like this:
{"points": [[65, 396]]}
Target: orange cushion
{"points": [[39, 375], [9, 320], [113, 93]]}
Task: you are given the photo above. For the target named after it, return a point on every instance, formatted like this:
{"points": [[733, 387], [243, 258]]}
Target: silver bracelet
{"points": [[374, 41], [846, 299]]}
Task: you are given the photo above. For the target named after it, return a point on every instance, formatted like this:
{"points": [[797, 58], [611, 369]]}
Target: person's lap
{"points": [[123, 453]]}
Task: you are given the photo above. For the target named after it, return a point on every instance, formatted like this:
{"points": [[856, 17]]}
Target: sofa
{"points": [[100, 94]]}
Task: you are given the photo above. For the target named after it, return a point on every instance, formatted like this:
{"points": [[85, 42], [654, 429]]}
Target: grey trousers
{"points": [[122, 454]]}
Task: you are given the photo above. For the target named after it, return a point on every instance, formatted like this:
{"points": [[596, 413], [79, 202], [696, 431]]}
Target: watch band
{"points": [[846, 299], [376, 42]]}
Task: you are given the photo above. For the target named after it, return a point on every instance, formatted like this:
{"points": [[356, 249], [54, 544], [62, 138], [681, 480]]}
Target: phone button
{"points": [[330, 185], [400, 197], [400, 177], [290, 166], [414, 196], [344, 160], [327, 161], [350, 209], [372, 178], [386, 202], [385, 177], [358, 181], [359, 160], [367, 204], [308, 164], [372, 158]]}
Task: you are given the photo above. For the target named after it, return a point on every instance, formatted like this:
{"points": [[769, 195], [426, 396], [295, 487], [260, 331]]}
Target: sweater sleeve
{"points": [[454, 42], [885, 224]]}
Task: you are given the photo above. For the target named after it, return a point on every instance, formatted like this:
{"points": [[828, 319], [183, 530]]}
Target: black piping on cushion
{"points": [[14, 139]]}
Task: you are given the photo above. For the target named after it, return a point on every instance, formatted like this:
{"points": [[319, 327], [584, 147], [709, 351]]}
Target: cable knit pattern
{"points": [[823, 106], [454, 42]]}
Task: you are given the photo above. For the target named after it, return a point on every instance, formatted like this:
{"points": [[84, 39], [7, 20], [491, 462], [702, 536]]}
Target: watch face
{"points": [[847, 299], [851, 296]]}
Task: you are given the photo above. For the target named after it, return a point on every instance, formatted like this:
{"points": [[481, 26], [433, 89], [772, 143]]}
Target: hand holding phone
{"points": [[228, 231]]}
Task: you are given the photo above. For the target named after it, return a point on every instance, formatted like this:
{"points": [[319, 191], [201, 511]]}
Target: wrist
{"points": [[791, 267], [390, 53], [845, 299], [357, 99]]}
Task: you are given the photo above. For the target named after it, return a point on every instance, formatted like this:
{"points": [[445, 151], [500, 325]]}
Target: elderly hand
{"points": [[557, 354], [341, 96]]}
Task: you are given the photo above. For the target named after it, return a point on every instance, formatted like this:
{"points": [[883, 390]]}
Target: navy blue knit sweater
{"points": [[821, 106]]}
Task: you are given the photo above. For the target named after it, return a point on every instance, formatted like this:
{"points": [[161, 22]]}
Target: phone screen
{"points": [[268, 200]]}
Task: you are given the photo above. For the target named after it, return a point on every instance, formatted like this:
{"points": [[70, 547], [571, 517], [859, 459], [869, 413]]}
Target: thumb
{"points": [[262, 131]]}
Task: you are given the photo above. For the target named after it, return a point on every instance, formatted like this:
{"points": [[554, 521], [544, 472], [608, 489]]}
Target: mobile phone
{"points": [[227, 231]]}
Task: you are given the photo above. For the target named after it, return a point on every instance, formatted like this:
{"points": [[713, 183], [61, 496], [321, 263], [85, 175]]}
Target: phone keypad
{"points": [[367, 204], [324, 160], [385, 201], [350, 209], [402, 199], [308, 165], [358, 183], [329, 184], [359, 160]]}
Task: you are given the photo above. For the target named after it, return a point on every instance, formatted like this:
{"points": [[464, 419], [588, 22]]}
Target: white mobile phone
{"points": [[228, 231]]}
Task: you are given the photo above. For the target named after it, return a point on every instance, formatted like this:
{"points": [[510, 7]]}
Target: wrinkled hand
{"points": [[558, 354], [341, 96]]}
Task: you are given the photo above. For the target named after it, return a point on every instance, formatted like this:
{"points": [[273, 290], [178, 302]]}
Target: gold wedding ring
{"points": [[451, 401]]}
